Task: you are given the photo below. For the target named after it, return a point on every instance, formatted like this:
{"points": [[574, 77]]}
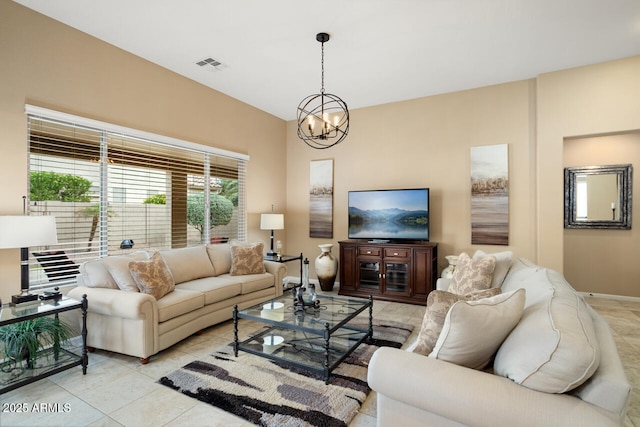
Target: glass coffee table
{"points": [[315, 338]]}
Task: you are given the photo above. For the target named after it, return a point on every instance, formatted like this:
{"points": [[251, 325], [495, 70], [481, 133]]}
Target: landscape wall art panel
{"points": [[490, 195], [321, 199]]}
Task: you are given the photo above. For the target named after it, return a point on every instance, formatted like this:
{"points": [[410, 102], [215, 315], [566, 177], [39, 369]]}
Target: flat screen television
{"points": [[389, 215]]}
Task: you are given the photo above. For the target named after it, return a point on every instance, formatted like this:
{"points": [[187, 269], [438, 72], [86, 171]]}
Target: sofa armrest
{"points": [[279, 271], [117, 303], [472, 397]]}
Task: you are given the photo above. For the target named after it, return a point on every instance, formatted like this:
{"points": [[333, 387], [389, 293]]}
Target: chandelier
{"points": [[323, 118]]}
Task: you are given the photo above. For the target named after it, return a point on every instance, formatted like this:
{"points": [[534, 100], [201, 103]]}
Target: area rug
{"points": [[268, 394]]}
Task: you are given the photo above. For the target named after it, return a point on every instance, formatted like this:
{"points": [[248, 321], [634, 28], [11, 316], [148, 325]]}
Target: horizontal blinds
{"points": [[129, 193], [64, 173]]}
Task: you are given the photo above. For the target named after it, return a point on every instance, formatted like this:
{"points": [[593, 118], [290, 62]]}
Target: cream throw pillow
{"points": [[555, 347], [153, 276], [474, 330], [438, 304], [247, 259], [472, 274]]}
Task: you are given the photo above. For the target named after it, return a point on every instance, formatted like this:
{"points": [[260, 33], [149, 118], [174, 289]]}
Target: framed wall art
{"points": [[490, 195], [321, 199]]}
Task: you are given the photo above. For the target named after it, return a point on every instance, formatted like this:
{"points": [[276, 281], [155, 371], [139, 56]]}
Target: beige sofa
{"points": [[122, 319], [559, 366]]}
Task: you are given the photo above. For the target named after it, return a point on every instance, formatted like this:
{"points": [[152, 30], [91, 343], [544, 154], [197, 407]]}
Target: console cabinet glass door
{"points": [[396, 277], [369, 275]]}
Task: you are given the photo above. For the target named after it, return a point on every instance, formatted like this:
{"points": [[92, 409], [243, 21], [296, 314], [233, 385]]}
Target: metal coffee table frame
{"points": [[315, 339]]}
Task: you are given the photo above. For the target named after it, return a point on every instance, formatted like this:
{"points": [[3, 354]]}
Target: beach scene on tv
{"points": [[389, 214]]}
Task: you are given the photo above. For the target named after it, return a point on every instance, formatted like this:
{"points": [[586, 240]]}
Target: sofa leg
{"points": [[144, 360]]}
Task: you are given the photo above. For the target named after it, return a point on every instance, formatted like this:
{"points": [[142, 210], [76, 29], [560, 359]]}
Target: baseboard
{"points": [[610, 296]]}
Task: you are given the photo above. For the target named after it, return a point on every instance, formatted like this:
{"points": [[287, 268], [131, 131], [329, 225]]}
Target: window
{"points": [[106, 184]]}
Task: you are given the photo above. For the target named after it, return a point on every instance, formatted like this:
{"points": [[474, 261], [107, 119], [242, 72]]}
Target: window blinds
{"points": [[115, 190]]}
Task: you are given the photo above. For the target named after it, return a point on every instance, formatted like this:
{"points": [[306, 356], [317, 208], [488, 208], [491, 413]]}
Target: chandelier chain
{"points": [[322, 66]]}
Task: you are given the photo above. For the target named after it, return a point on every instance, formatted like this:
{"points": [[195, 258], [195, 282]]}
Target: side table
{"points": [[286, 258], [19, 376]]}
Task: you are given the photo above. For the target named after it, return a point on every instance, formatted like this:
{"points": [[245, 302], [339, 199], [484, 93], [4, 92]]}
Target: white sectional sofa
{"points": [[559, 366], [122, 319]]}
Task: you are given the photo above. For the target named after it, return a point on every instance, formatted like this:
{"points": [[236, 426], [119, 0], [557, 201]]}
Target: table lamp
{"points": [[22, 232], [272, 222]]}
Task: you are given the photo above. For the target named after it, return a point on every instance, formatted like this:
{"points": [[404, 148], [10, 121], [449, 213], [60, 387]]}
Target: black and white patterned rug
{"points": [[269, 394]]}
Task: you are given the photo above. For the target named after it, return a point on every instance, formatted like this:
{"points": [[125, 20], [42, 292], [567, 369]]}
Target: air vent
{"points": [[209, 62]]}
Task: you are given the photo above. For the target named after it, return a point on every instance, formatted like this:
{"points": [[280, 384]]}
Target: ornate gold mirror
{"points": [[598, 197]]}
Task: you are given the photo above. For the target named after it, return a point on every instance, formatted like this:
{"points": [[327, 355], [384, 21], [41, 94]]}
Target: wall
{"points": [[51, 65], [594, 100], [604, 261], [424, 143]]}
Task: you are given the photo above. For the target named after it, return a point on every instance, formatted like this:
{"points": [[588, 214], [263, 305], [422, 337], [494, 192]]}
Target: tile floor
{"points": [[119, 391]]}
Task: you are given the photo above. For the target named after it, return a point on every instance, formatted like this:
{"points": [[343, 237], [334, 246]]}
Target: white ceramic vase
{"points": [[326, 266], [447, 272]]}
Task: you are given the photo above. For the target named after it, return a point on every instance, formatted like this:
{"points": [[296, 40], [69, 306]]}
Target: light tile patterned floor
{"points": [[119, 391]]}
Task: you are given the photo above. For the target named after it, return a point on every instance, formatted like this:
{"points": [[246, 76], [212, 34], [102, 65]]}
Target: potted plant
{"points": [[23, 340]]}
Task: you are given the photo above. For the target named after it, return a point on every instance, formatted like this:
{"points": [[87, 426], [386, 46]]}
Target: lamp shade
{"points": [[272, 222], [24, 231]]}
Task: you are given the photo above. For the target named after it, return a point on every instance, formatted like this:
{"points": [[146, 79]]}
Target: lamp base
{"points": [[22, 298]]}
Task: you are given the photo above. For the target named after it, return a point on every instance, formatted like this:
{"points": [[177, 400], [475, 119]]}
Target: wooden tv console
{"points": [[400, 272]]}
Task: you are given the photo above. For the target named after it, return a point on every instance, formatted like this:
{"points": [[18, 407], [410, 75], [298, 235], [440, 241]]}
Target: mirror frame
{"points": [[625, 176]]}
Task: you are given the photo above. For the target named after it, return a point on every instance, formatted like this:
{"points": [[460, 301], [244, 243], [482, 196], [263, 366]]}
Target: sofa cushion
{"points": [[247, 259], [503, 263], [473, 330], [152, 276], [214, 289], [554, 347], [189, 263], [118, 267], [251, 282], [220, 256], [95, 275], [472, 274], [179, 302], [438, 304]]}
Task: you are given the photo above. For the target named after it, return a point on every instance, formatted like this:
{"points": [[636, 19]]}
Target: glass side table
{"points": [[14, 375], [286, 258]]}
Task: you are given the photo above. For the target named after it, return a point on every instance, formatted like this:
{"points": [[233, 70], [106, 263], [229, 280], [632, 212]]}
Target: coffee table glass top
{"points": [[333, 311]]}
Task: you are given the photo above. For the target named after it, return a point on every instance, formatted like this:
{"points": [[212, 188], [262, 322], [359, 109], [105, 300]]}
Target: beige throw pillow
{"points": [[153, 276], [438, 304], [474, 330], [472, 274], [247, 259]]}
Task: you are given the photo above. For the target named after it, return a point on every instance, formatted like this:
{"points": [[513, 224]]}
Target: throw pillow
{"points": [[474, 330], [152, 276], [555, 347], [247, 259], [503, 264], [438, 304], [472, 274]]}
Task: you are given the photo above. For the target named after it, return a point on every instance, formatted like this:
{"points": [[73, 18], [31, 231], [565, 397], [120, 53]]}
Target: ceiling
{"points": [[380, 50]]}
